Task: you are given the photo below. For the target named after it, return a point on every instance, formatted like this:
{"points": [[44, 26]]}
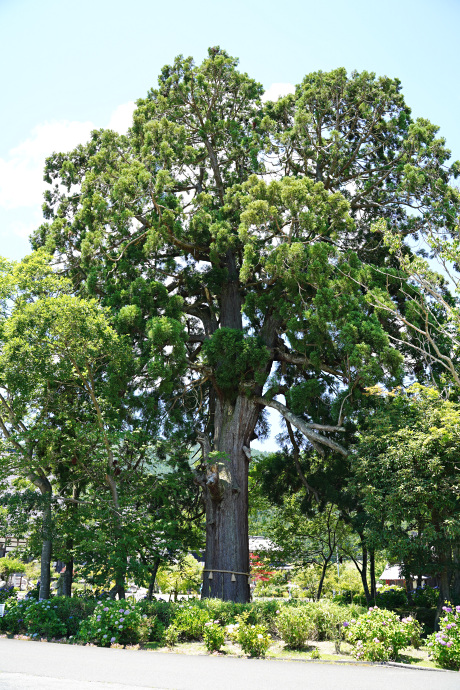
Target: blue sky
{"points": [[68, 67]]}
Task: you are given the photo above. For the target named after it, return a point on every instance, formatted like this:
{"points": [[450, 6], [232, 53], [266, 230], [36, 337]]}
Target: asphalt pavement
{"points": [[28, 665]]}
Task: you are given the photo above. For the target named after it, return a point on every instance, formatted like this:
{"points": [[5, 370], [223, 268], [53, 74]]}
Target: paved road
{"points": [[41, 666]]}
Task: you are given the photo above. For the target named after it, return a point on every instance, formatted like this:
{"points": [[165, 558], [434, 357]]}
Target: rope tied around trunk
{"points": [[233, 573]]}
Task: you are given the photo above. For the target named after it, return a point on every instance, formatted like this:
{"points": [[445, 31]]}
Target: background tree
{"points": [[181, 577], [406, 469]]}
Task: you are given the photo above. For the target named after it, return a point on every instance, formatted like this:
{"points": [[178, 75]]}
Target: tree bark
{"points": [[226, 497], [47, 547], [372, 573], [363, 572], [153, 577], [43, 484], [68, 578], [321, 580]]}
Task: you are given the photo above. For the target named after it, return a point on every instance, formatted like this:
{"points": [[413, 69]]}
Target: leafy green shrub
{"points": [[328, 618], [190, 620], [254, 639], [162, 610], [171, 636], [426, 596], [72, 611], [391, 597], [224, 611], [379, 635], [444, 645], [157, 630], [41, 619], [213, 636], [114, 622], [295, 626], [349, 598], [265, 613]]}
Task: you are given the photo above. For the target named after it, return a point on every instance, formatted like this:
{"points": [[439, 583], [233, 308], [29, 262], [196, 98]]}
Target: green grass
{"points": [[417, 658]]}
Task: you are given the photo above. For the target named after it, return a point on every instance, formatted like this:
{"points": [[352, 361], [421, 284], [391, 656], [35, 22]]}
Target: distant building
{"points": [[392, 575], [8, 544]]}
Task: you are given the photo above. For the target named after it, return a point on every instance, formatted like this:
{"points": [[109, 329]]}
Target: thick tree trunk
{"points": [[47, 544], [46, 490], [226, 495]]}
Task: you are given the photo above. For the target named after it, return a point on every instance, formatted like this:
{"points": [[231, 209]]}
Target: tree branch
{"points": [[304, 427]]}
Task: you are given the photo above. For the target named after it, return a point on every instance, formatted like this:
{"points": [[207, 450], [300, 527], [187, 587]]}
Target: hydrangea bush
{"points": [[444, 645], [254, 639], [114, 622], [6, 593], [426, 596], [41, 619], [391, 597], [295, 626], [214, 636], [31, 617], [13, 619], [379, 635]]}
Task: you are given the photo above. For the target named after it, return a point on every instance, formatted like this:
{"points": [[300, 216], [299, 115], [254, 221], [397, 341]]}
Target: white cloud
{"points": [[21, 171], [275, 91], [122, 117]]}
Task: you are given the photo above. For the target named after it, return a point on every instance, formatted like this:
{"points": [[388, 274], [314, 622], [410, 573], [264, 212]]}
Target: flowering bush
{"points": [[6, 593], [328, 618], [445, 644], [391, 597], [295, 626], [114, 622], [40, 618], [231, 631], [426, 596], [13, 619], [214, 636], [254, 639], [72, 611], [379, 635]]}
